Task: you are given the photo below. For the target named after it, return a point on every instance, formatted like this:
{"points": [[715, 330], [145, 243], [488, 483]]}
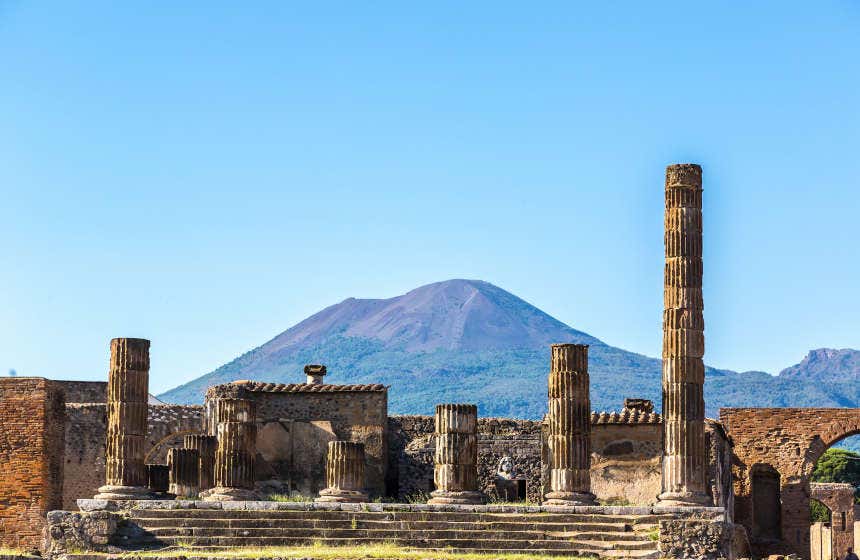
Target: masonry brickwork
{"points": [[32, 418], [839, 499], [786, 442]]}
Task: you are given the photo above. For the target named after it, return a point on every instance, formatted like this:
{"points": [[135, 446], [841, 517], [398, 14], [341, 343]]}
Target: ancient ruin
{"points": [[683, 341], [668, 484], [128, 394], [344, 473], [456, 464], [569, 421]]}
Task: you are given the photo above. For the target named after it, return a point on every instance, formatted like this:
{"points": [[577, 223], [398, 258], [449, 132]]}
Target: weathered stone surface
{"points": [[569, 426], [207, 447], [455, 471], [128, 395], [684, 468], [344, 473], [684, 538], [237, 449], [184, 465], [69, 531], [158, 478]]}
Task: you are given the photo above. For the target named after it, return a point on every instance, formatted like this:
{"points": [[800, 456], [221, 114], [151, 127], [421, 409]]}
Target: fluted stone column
{"points": [[237, 448], [127, 395], [569, 421], [184, 467], [456, 463], [344, 473], [158, 478], [207, 447], [684, 469]]}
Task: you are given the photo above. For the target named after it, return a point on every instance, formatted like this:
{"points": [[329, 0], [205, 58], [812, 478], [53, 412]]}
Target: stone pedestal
{"points": [[684, 467], [206, 446], [456, 463], [127, 408], [237, 448], [344, 473], [569, 422], [158, 479], [184, 467]]}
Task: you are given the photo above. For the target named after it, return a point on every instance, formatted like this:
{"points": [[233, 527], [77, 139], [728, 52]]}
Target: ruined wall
{"points": [[31, 443], [85, 436], [787, 442], [839, 499], [625, 461], [296, 422], [83, 391]]}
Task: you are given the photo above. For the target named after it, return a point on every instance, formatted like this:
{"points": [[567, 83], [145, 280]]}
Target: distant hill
{"points": [[471, 341]]}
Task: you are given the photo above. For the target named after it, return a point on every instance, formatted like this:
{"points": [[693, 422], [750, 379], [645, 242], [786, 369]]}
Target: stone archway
{"points": [[790, 440]]}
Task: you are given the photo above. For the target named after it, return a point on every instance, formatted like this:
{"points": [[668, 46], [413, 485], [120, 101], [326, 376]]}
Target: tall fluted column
{"points": [[237, 449], [207, 446], [456, 463], [344, 473], [569, 426], [127, 395], [684, 469], [184, 467]]}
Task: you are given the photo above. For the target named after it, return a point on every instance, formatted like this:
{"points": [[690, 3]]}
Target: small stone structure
{"points": [[237, 448], [684, 469], [184, 465], [456, 463], [839, 499], [206, 446], [315, 374], [569, 423], [344, 473], [510, 487], [158, 479], [128, 396]]}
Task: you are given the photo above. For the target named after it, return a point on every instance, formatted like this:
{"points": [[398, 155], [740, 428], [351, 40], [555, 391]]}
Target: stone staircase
{"points": [[580, 534]]}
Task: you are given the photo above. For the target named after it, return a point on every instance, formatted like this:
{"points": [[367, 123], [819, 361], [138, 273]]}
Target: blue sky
{"points": [[207, 174]]}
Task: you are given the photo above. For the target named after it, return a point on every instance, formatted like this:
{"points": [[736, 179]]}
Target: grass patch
{"points": [[286, 498], [322, 552], [14, 552], [654, 534]]}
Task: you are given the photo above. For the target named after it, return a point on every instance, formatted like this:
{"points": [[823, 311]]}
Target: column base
{"points": [[683, 499], [336, 495], [225, 494], [569, 499], [110, 492], [470, 497]]}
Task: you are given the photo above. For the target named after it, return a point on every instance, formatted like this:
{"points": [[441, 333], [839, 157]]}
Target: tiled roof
{"points": [[626, 416], [260, 387]]}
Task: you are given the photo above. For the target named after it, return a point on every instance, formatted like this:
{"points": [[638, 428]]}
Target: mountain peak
{"points": [[827, 364]]}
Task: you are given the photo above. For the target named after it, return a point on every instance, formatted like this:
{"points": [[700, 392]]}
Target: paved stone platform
{"points": [[196, 527]]}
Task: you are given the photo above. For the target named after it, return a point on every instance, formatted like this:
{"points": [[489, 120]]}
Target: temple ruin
{"points": [[671, 484]]}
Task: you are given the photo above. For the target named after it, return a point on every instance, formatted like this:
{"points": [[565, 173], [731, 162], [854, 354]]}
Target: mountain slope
{"points": [[471, 341]]}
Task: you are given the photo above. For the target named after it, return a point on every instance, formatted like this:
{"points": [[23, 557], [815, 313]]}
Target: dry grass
{"points": [[322, 552], [14, 552]]}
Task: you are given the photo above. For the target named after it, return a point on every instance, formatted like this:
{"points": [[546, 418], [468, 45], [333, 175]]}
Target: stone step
{"points": [[387, 533], [392, 515], [567, 545]]}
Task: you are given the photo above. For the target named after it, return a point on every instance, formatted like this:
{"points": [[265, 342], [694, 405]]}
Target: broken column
{"points": [[684, 469], [184, 465], [237, 448], [206, 446], [344, 473], [569, 422], [127, 396], [456, 463]]}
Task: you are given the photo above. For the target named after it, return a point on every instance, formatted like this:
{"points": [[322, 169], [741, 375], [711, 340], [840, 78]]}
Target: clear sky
{"points": [[207, 174]]}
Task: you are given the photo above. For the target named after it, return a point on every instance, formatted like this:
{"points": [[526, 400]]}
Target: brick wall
{"points": [[31, 417], [789, 441], [839, 499]]}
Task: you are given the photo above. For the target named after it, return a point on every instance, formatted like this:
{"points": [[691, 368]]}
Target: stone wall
{"points": [[625, 462], [85, 436], [31, 443], [296, 422], [775, 451], [84, 391], [839, 499]]}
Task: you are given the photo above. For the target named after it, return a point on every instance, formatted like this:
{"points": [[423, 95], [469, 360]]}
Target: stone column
{"points": [[456, 464], [684, 468], [184, 467], [569, 422], [158, 478], [206, 446], [127, 408], [237, 449], [344, 473]]}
